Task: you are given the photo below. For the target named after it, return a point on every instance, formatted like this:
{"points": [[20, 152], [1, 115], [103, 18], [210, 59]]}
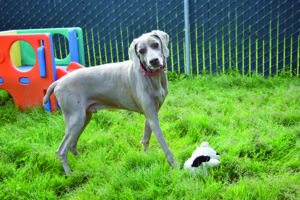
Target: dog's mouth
{"points": [[154, 68], [157, 65]]}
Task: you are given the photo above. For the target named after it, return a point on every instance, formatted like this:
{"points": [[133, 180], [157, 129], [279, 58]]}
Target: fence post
{"points": [[187, 36]]}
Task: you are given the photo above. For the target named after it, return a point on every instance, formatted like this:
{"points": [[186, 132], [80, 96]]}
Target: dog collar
{"points": [[153, 73]]}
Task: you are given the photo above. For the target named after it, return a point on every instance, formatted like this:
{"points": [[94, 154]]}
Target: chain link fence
{"points": [[260, 37]]}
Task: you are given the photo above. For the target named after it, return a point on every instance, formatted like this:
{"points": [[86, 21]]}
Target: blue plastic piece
{"points": [[1, 80], [24, 80], [25, 68], [73, 44], [47, 106], [53, 58], [41, 59]]}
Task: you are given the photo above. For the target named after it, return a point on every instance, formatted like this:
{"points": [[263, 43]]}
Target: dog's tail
{"points": [[49, 92]]}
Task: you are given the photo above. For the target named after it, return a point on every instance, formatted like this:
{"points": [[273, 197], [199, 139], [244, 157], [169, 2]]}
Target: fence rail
{"points": [[261, 37]]}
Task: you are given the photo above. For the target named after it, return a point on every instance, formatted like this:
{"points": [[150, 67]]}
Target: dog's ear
{"points": [[132, 54], [164, 38]]}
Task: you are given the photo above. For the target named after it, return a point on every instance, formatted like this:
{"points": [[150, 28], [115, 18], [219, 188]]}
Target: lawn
{"points": [[253, 122]]}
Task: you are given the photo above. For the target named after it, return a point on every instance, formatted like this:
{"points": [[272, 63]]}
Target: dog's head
{"points": [[150, 49]]}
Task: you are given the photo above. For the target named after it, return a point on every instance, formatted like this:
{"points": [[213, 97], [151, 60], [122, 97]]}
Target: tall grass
{"points": [[253, 122]]}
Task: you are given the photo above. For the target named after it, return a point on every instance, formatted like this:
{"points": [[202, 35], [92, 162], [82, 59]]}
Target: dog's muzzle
{"points": [[153, 73]]}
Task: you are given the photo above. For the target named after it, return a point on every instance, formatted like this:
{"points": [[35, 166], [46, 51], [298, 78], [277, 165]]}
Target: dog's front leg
{"points": [[146, 136], [153, 121]]}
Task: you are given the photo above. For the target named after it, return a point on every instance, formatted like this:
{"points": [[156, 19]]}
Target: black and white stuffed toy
{"points": [[201, 158]]}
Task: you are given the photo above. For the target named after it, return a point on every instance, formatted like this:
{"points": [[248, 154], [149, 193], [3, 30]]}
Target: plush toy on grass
{"points": [[202, 157]]}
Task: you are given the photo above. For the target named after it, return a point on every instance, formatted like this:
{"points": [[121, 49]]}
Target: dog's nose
{"points": [[154, 62], [217, 154]]}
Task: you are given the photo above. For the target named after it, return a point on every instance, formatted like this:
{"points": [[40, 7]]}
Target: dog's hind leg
{"points": [[146, 136], [75, 122], [73, 147]]}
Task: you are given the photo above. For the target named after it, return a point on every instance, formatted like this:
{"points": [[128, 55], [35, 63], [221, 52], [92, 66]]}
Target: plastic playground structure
{"points": [[26, 74]]}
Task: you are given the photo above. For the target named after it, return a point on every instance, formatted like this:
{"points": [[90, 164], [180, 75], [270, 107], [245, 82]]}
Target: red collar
{"points": [[153, 73]]}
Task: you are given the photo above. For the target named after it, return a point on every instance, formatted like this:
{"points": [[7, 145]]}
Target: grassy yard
{"points": [[254, 123]]}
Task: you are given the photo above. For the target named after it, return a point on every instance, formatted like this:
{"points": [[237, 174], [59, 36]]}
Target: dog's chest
{"points": [[152, 90], [159, 95]]}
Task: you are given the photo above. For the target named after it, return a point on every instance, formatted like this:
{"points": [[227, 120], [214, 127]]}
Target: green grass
{"points": [[254, 123]]}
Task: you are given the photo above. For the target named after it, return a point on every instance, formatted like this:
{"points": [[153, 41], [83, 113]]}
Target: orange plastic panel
{"points": [[30, 94]]}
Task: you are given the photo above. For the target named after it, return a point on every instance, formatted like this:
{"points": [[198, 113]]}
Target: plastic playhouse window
{"points": [[61, 46], [18, 52]]}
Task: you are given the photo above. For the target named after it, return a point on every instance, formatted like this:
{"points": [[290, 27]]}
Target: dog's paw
{"points": [[145, 146]]}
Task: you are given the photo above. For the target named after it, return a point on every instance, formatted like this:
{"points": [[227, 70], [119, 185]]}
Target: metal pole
{"points": [[187, 36]]}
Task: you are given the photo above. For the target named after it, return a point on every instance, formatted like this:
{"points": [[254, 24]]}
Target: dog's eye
{"points": [[142, 51], [154, 45]]}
